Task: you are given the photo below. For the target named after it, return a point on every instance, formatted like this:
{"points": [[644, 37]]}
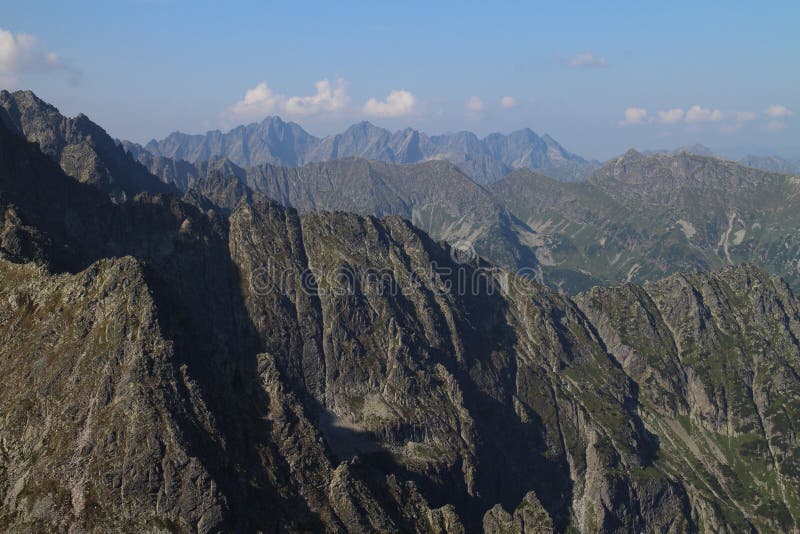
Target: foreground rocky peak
{"points": [[81, 147]]}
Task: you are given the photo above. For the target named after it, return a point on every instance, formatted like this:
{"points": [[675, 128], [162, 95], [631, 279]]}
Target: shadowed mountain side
{"points": [[82, 148]]}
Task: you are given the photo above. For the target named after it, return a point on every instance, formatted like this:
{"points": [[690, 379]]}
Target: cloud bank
{"points": [[697, 114], [729, 121], [778, 112], [672, 116], [261, 101], [635, 116]]}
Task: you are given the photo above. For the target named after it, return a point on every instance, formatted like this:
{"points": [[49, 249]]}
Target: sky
{"points": [[600, 77]]}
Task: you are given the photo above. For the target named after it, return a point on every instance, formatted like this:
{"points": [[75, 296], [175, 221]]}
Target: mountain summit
{"points": [[82, 148]]}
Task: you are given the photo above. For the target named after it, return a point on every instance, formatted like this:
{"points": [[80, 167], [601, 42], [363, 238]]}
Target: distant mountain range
{"points": [[766, 163], [276, 142], [773, 163], [640, 217]]}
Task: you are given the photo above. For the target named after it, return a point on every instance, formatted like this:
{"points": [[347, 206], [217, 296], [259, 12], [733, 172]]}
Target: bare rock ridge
{"points": [[638, 218], [83, 149], [224, 363]]}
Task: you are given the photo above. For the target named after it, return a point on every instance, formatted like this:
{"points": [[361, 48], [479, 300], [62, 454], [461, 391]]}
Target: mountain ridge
{"points": [[82, 148], [273, 141]]}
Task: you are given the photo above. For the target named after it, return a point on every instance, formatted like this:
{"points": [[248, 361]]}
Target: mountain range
{"points": [[280, 143], [638, 217], [206, 359], [766, 163]]}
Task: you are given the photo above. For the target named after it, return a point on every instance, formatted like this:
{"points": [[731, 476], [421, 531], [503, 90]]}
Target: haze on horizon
{"points": [[599, 80]]}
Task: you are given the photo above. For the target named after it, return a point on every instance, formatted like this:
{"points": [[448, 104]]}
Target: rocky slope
{"points": [[638, 218], [773, 163], [643, 217], [717, 361], [83, 149], [167, 367], [279, 143], [434, 195]]}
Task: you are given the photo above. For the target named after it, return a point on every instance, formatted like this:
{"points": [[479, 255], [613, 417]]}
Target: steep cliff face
{"points": [[167, 367], [220, 414], [717, 361], [479, 395], [95, 431]]}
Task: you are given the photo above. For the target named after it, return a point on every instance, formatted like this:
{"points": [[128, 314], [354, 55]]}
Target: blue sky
{"points": [[599, 77]]}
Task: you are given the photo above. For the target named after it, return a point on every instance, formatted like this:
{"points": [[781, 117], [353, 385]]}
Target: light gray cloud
{"points": [[634, 116], [508, 102], [475, 106], [778, 112], [588, 59], [327, 98], [23, 53], [671, 116], [774, 126]]}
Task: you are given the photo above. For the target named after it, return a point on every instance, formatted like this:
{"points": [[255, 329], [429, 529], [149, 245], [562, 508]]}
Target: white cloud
{"points": [[588, 59], [397, 104], [671, 116], [635, 116], [778, 112], [257, 102], [23, 53], [508, 102], [697, 114], [774, 126], [745, 116], [327, 98], [261, 101], [475, 106]]}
